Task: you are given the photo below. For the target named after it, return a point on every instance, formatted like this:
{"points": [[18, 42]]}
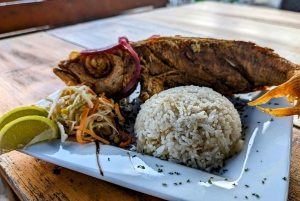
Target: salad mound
{"points": [[79, 112]]}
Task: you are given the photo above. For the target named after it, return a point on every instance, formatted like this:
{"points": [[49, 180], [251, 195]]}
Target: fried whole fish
{"points": [[227, 66]]}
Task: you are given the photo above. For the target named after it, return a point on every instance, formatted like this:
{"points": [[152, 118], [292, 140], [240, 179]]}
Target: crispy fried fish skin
{"points": [[227, 66], [105, 73]]}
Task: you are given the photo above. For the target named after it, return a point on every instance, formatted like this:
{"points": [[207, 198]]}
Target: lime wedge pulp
{"points": [[21, 112], [25, 131]]}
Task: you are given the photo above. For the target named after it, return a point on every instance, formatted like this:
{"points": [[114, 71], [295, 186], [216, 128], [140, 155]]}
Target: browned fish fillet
{"points": [[227, 66]]}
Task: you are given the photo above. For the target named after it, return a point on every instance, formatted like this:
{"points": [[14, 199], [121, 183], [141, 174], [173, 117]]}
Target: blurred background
{"points": [[26, 16], [292, 5]]}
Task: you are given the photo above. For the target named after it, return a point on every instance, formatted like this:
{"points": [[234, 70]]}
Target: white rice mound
{"points": [[191, 125]]}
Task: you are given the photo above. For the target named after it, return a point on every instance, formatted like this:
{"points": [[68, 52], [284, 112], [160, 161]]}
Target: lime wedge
{"points": [[25, 131], [21, 112]]}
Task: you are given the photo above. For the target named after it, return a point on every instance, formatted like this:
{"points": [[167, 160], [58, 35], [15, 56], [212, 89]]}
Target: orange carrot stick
{"points": [[124, 144], [94, 135], [120, 117], [82, 123], [91, 91], [105, 99], [95, 107]]}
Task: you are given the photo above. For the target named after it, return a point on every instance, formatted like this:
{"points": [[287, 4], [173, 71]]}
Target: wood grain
{"points": [[45, 181], [26, 64], [26, 68], [284, 40], [188, 21], [294, 187], [56, 13], [260, 14]]}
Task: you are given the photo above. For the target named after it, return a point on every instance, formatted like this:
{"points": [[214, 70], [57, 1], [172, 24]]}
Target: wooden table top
{"points": [[26, 64]]}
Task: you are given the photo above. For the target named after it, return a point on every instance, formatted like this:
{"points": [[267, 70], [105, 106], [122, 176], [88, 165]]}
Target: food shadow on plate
{"points": [[130, 109], [251, 127], [256, 125]]}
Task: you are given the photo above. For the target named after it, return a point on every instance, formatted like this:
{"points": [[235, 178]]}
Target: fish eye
{"points": [[98, 65]]}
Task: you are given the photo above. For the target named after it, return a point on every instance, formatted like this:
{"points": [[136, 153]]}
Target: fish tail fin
{"points": [[290, 89]]}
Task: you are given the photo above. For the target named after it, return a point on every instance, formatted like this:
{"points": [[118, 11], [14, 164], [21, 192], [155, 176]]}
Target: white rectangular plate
{"points": [[266, 156]]}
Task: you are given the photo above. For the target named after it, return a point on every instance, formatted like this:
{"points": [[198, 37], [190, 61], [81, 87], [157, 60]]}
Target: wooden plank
{"points": [[284, 40], [294, 187], [26, 62], [33, 179], [186, 22], [261, 14], [7, 1], [57, 13], [100, 33]]}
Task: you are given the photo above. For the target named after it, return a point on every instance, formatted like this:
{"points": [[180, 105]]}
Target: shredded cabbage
{"points": [[68, 107]]}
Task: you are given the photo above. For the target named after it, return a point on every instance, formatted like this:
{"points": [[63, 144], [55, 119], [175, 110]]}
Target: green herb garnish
{"points": [[141, 166]]}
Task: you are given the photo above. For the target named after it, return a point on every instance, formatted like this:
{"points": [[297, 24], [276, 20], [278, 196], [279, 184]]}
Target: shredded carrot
{"points": [[121, 118], [124, 144], [92, 134], [91, 91], [105, 100], [82, 123], [102, 95], [95, 107], [71, 139]]}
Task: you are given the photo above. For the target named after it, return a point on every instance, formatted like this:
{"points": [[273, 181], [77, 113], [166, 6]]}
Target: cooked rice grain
{"points": [[192, 125]]}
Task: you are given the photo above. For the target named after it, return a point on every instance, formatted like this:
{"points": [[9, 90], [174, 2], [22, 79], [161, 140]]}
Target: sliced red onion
{"points": [[123, 41], [134, 81]]}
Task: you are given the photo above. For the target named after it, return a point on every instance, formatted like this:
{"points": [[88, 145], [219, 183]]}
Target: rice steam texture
{"points": [[191, 125]]}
